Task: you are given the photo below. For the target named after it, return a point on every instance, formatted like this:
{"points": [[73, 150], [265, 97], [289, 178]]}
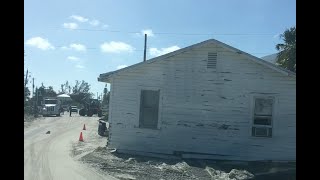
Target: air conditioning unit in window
{"points": [[262, 131]]}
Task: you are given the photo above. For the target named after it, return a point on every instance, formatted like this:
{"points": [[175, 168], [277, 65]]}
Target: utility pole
{"points": [[36, 103], [26, 80], [145, 48], [32, 87], [25, 84]]}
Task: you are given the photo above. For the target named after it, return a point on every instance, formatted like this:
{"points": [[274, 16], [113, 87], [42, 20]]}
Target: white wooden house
{"points": [[208, 100]]}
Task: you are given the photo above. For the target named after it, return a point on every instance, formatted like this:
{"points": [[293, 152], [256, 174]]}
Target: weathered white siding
{"points": [[204, 110]]}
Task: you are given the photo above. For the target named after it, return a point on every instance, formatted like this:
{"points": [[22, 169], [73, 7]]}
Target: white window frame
{"points": [[159, 107], [263, 126]]}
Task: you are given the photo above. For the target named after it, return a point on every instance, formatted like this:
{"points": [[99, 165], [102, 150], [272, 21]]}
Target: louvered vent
{"points": [[212, 60]]}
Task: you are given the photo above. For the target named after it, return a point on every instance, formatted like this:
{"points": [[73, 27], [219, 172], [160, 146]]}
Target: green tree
{"points": [[50, 92], [81, 97], [65, 88], [46, 92], [81, 87], [80, 92], [62, 91], [286, 57], [106, 96], [26, 93], [27, 76]]}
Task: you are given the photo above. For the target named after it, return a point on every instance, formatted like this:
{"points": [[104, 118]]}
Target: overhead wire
{"points": [[169, 33]]}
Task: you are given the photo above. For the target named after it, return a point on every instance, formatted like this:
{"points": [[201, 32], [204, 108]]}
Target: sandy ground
{"points": [[124, 166], [48, 156]]}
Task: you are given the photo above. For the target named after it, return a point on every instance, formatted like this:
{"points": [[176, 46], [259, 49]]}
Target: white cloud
{"points": [[157, 52], [73, 58], [78, 47], [70, 25], [148, 32], [116, 47], [94, 22], [121, 66], [79, 63], [79, 18], [105, 26], [40, 43], [79, 66]]}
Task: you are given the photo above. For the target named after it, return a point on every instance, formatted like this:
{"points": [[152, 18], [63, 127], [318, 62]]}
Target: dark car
{"points": [[74, 109]]}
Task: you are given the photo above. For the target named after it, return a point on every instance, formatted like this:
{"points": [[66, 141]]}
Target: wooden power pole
{"points": [[145, 48]]}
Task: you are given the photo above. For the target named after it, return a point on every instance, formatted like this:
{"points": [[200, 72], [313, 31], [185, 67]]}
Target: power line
{"points": [[167, 33], [91, 48], [139, 50], [175, 33]]}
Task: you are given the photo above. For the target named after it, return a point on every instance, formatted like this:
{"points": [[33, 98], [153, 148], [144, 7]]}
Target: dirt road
{"points": [[49, 156]]}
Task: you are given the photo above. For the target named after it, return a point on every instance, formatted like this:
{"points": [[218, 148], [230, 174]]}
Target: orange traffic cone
{"points": [[81, 138], [84, 127]]}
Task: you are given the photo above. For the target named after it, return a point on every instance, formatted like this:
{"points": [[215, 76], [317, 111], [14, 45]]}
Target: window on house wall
{"points": [[212, 60], [262, 119], [149, 109]]}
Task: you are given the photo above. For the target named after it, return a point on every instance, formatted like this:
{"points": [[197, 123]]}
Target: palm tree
{"points": [[286, 58]]}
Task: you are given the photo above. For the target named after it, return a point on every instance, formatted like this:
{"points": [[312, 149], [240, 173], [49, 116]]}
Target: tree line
{"points": [[78, 92], [286, 57]]}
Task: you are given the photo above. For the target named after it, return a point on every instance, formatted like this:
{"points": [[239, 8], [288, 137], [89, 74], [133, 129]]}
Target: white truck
{"points": [[51, 106]]}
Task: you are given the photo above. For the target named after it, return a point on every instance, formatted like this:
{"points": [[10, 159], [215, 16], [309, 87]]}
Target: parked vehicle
{"points": [[74, 109], [50, 106], [91, 107]]}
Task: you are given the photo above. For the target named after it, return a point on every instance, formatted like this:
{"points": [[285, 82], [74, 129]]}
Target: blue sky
{"points": [[80, 39]]}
